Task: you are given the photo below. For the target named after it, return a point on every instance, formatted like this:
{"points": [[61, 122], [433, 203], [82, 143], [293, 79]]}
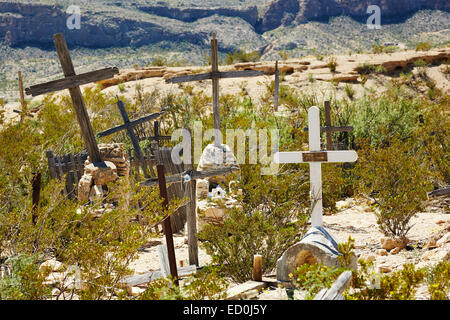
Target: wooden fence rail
{"points": [[71, 168]]}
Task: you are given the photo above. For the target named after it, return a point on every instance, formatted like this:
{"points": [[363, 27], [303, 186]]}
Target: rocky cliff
{"points": [[282, 12], [136, 24]]}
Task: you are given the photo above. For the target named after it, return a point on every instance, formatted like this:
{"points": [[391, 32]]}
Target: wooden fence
{"points": [[71, 168]]}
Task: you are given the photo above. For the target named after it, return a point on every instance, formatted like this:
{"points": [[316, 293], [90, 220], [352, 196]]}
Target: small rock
{"points": [[382, 252], [391, 243], [441, 222], [443, 240], [368, 257], [395, 250], [134, 291], [52, 265], [384, 268]]}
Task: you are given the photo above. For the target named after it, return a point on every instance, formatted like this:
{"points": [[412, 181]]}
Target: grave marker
{"points": [[328, 128], [129, 126], [73, 83], [215, 75], [315, 157]]}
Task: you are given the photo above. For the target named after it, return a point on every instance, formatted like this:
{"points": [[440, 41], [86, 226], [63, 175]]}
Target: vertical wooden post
{"points": [[215, 89], [166, 226], [257, 267], [276, 86], [22, 98], [191, 213], [36, 195], [77, 99], [328, 124]]}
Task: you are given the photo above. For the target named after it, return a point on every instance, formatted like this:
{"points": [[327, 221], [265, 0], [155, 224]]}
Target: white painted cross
{"points": [[315, 157]]}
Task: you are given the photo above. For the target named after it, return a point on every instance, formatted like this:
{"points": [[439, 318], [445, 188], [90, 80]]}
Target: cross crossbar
{"points": [[72, 81], [132, 123], [193, 174], [215, 75]]}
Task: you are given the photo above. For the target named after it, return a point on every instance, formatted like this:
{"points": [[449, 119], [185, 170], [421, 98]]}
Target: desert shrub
{"points": [[400, 285], [432, 141], [347, 253], [423, 46], [242, 56], [379, 118], [26, 281], [159, 61], [268, 222], [438, 281], [315, 277], [398, 181], [332, 64], [367, 68], [349, 91], [206, 284]]}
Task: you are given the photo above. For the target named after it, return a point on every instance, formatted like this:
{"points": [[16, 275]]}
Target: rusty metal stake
{"points": [[166, 225]]}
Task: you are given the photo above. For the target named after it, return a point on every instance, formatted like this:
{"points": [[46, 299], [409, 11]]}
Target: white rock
{"points": [[443, 240], [52, 265]]}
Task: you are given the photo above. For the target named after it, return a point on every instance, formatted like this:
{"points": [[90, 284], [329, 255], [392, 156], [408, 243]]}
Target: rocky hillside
{"points": [[111, 23]]}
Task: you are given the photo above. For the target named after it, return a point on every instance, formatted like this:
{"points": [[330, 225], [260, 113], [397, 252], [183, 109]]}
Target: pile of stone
{"points": [[96, 175], [212, 200]]}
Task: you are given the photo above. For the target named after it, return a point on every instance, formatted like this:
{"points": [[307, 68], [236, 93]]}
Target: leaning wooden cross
{"points": [[315, 157], [215, 75], [328, 128], [129, 126], [73, 83]]}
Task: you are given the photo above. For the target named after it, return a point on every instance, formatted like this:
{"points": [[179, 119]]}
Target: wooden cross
{"points": [[166, 223], [129, 126], [328, 129], [315, 157], [215, 75], [276, 86], [73, 83], [157, 137]]}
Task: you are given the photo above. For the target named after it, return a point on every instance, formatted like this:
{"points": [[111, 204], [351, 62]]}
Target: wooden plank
{"points": [[51, 164], [77, 99], [215, 76], [141, 279], [338, 287], [237, 292], [163, 260], [439, 192], [72, 81], [191, 214], [333, 156], [131, 124]]}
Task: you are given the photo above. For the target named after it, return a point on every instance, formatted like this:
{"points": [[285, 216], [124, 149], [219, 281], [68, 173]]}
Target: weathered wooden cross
{"points": [[157, 137], [129, 126], [328, 128], [276, 86], [73, 83], [215, 75], [315, 157]]}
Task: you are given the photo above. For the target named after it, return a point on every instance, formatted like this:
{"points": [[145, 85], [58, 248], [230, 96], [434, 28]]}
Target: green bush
{"points": [[379, 118], [272, 217], [397, 179], [26, 281]]}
